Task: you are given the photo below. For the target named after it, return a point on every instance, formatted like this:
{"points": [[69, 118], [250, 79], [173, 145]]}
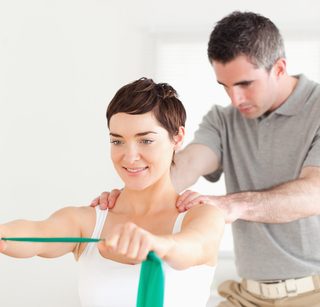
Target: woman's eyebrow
{"points": [[115, 135], [137, 134], [145, 133]]}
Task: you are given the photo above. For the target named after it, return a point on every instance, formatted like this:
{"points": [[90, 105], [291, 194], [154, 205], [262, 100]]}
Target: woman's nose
{"points": [[131, 154]]}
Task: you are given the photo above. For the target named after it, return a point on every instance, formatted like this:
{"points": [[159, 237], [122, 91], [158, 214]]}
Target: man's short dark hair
{"points": [[248, 34]]}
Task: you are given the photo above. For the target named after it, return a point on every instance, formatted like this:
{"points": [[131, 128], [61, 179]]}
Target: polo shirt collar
{"points": [[298, 97]]}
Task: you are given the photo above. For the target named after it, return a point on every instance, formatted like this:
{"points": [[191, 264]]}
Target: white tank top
{"points": [[106, 283]]}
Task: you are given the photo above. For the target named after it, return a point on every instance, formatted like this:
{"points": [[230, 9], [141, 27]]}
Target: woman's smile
{"points": [[132, 171]]}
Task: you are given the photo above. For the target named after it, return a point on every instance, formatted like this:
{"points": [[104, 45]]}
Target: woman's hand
{"points": [[133, 242], [2, 245], [106, 200]]}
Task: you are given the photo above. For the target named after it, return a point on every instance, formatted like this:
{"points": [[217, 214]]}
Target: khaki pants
{"points": [[237, 295]]}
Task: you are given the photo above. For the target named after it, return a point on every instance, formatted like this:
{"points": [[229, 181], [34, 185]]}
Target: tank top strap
{"points": [[178, 222], [101, 216]]}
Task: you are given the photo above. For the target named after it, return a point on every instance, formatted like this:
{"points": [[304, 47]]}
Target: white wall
{"points": [[60, 63]]}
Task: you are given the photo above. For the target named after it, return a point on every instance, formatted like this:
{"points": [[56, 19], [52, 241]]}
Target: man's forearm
{"points": [[281, 204]]}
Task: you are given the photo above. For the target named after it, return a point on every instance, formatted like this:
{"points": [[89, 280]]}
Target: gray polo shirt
{"points": [[258, 154]]}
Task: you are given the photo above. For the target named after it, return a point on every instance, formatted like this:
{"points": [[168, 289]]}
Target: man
{"points": [[267, 143]]}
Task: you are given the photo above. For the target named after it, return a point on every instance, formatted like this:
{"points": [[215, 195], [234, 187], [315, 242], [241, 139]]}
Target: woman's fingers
{"points": [[2, 245], [145, 248], [130, 241], [126, 236]]}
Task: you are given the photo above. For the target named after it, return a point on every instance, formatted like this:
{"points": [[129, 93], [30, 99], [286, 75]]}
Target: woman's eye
{"points": [[146, 141], [115, 142]]}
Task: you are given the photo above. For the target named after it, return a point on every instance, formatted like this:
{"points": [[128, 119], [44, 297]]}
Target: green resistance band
{"points": [[53, 240], [151, 283]]}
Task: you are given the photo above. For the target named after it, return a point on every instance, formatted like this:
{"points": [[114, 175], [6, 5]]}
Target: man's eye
{"points": [[245, 84]]}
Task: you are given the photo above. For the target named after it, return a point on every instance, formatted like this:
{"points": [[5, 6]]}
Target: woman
{"points": [[146, 122]]}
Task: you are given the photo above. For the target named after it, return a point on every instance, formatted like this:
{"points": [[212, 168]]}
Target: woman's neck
{"points": [[158, 197]]}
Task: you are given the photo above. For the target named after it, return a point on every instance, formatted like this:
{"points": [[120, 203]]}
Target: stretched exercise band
{"points": [[53, 240]]}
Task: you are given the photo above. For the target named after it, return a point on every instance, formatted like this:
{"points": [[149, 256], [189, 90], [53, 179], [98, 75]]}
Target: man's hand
{"points": [[106, 200], [189, 199]]}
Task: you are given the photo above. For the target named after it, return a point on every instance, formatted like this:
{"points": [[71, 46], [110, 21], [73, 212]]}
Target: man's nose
{"points": [[237, 96]]}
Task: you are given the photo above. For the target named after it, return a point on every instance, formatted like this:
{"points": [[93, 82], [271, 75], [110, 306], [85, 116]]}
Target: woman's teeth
{"points": [[136, 170]]}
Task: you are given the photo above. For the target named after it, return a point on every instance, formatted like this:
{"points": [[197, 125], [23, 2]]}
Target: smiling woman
{"points": [[141, 149], [146, 122]]}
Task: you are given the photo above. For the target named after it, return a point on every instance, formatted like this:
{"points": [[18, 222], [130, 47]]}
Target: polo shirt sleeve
{"points": [[209, 134], [313, 156]]}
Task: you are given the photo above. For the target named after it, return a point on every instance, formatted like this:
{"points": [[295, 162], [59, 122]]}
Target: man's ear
{"points": [[280, 67], [178, 138]]}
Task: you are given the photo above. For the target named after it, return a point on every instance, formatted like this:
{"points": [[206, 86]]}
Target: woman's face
{"points": [[141, 149]]}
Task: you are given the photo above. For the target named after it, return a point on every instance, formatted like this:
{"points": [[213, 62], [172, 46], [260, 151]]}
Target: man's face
{"points": [[252, 90]]}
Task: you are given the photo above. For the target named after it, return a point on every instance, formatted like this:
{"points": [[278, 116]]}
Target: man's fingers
{"points": [[106, 199], [184, 196], [95, 202], [103, 200], [188, 199], [182, 200], [112, 197], [196, 201]]}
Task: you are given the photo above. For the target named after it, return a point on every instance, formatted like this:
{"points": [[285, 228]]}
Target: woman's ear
{"points": [[178, 138]]}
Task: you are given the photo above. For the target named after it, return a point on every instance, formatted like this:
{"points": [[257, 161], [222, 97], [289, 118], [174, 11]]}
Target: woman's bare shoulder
{"points": [[206, 214], [76, 211]]}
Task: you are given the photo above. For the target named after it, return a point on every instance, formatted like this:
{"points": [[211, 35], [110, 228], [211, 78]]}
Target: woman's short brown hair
{"points": [[143, 96]]}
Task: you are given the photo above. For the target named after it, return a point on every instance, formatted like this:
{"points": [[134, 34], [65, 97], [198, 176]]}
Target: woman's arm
{"points": [[197, 242], [63, 223]]}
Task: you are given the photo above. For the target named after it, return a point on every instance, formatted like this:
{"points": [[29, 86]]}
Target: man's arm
{"points": [[284, 203], [191, 163]]}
